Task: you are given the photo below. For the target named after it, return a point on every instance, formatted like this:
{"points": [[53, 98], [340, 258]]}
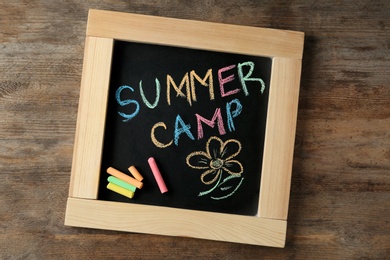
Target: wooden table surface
{"points": [[340, 194]]}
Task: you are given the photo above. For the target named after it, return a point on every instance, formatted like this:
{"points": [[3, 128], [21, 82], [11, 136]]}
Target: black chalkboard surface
{"points": [[200, 114]]}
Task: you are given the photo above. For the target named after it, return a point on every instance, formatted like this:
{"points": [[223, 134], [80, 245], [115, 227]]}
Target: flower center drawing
{"points": [[216, 163]]}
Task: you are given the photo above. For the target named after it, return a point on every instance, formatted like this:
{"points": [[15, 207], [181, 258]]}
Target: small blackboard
{"points": [[171, 103], [214, 104]]}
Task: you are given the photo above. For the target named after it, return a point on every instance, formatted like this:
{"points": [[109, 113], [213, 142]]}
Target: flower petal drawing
{"points": [[214, 147], [233, 167], [231, 149], [214, 174], [198, 160]]}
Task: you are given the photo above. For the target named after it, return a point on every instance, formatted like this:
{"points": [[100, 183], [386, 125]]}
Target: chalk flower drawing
{"points": [[217, 159]]}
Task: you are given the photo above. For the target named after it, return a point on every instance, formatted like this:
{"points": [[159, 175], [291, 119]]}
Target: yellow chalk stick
{"points": [[135, 173], [120, 190], [124, 177]]}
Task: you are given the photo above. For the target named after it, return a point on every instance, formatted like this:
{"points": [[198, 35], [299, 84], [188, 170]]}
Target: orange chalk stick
{"points": [[135, 173], [124, 177]]}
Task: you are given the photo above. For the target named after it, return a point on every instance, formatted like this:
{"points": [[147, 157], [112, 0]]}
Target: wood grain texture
{"points": [[280, 137], [88, 145], [220, 37], [175, 222], [340, 193]]}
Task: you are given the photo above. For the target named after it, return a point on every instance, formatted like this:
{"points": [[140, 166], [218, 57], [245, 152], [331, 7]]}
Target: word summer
{"points": [[187, 89]]}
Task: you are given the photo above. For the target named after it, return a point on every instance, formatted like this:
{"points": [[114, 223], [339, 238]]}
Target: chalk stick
{"points": [[135, 173], [120, 190], [157, 175], [121, 183], [125, 177]]}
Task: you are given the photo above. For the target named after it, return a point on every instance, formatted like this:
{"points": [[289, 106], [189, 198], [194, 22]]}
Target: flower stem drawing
{"points": [[215, 162]]}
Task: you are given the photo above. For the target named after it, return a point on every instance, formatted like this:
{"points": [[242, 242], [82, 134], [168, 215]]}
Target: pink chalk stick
{"points": [[157, 175]]}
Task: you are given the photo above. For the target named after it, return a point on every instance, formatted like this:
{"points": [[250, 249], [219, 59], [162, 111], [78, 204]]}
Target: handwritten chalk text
{"points": [[187, 88]]}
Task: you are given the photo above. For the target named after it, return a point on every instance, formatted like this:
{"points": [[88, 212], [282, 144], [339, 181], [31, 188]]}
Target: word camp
{"points": [[187, 89]]}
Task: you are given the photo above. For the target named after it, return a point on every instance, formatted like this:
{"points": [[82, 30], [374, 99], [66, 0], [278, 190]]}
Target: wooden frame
{"points": [[269, 226]]}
